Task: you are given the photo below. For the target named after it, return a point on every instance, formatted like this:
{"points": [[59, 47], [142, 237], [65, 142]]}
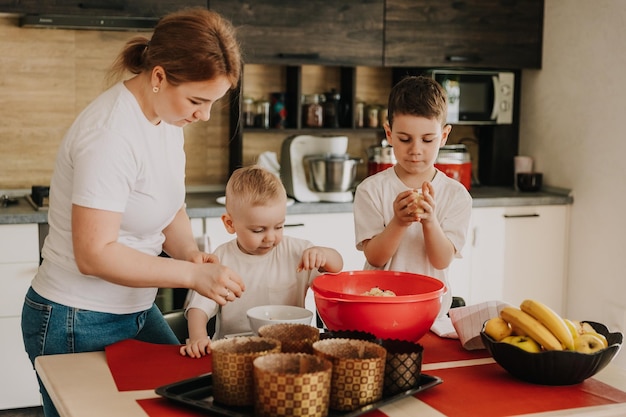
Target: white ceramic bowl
{"points": [[274, 314]]}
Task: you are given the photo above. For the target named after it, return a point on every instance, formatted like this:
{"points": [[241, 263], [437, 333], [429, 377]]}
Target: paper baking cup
{"points": [[358, 371], [403, 365], [233, 371], [291, 384], [294, 337]]}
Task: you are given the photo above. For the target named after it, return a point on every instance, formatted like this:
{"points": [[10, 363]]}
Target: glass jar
{"points": [[382, 116], [331, 108], [372, 115], [262, 118], [359, 114], [248, 112], [312, 111]]}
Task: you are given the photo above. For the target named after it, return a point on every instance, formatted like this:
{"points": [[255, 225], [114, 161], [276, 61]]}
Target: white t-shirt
{"points": [[112, 158], [269, 279], [373, 210]]}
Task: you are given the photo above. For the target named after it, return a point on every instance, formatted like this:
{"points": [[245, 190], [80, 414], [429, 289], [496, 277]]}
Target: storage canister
{"points": [[312, 111], [248, 112], [454, 161]]}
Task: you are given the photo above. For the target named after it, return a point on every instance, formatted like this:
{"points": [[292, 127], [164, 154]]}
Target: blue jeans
{"points": [[50, 328]]}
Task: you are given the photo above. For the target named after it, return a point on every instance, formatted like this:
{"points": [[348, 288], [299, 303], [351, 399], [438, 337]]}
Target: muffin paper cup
{"points": [[294, 338], [403, 365], [357, 374], [292, 384], [233, 370]]}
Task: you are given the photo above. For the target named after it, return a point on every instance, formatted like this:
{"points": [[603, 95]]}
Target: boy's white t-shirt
{"points": [[269, 279], [373, 210], [112, 158]]}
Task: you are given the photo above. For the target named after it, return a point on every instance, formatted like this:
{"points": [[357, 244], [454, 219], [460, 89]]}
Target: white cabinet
{"points": [[334, 230], [513, 253], [477, 276], [19, 260], [535, 258]]}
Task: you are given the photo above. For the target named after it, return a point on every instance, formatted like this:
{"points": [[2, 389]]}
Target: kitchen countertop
{"points": [[203, 204]]}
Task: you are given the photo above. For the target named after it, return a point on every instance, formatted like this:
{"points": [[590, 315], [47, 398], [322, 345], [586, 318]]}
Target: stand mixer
{"points": [[294, 174]]}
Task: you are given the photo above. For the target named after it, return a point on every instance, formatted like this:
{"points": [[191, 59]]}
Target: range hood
{"points": [[63, 21]]}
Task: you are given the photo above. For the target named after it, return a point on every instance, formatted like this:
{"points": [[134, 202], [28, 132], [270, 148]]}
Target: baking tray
{"points": [[197, 392]]}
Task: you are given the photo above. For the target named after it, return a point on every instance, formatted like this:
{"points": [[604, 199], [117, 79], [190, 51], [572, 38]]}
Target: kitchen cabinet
{"points": [[477, 276], [535, 258], [19, 260], [349, 32], [514, 253], [370, 85], [467, 33], [115, 8]]}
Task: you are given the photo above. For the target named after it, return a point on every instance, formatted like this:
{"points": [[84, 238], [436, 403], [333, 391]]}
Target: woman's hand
{"points": [[217, 282], [199, 257]]}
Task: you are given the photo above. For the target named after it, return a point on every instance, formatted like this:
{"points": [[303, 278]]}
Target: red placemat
{"points": [[139, 365], [162, 407], [441, 349], [490, 391]]}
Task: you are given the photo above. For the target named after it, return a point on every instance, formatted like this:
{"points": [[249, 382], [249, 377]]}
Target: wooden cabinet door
{"points": [[140, 8], [297, 32], [468, 33]]}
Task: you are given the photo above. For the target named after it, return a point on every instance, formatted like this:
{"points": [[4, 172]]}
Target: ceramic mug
{"points": [[529, 181]]}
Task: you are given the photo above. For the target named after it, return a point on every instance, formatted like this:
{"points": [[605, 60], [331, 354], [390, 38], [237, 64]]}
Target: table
{"points": [[81, 384]]}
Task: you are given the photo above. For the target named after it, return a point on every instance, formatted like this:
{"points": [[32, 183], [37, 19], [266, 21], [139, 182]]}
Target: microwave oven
{"points": [[477, 97]]}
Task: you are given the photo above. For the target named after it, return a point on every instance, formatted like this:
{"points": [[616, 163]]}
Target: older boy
{"points": [[395, 229]]}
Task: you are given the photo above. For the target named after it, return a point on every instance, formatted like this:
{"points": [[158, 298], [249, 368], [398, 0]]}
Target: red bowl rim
{"points": [[346, 297]]}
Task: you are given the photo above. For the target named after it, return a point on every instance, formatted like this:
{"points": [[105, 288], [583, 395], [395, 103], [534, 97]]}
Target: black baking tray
{"points": [[197, 392]]}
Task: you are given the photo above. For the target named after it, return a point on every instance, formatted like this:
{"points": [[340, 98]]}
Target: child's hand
{"points": [[312, 258], [196, 348], [428, 203], [407, 206]]}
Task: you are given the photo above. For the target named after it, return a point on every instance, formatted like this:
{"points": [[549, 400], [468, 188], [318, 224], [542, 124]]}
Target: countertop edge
{"points": [[204, 204]]}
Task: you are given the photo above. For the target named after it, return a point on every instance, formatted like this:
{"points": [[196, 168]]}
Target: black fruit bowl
{"points": [[554, 367]]}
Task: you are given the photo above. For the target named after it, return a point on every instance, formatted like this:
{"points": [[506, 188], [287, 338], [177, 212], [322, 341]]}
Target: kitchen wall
{"points": [[49, 76], [572, 116]]}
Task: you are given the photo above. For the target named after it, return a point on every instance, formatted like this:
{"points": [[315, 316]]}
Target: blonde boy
{"points": [[276, 269]]}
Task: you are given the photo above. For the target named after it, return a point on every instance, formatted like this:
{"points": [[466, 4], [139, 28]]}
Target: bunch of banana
{"points": [[545, 329], [531, 327]]}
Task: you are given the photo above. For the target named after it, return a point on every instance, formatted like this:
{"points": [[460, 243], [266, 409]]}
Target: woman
{"points": [[117, 197]]}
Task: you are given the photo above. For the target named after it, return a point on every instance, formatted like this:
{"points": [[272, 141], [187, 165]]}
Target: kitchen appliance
{"points": [[477, 97], [454, 161], [333, 174], [380, 157]]}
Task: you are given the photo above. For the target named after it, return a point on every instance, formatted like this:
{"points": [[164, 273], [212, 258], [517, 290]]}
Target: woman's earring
{"points": [[155, 89]]}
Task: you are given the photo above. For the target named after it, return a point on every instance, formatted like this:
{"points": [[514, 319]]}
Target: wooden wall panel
{"points": [[49, 76]]}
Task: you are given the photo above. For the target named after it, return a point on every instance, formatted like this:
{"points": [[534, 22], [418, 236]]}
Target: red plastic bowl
{"points": [[407, 316]]}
